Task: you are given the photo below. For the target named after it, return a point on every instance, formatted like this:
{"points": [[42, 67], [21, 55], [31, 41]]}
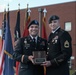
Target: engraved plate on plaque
{"points": [[39, 57]]}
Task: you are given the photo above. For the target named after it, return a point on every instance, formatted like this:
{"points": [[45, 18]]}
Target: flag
{"points": [[44, 34], [17, 27], [2, 44], [1, 41], [3, 30], [26, 22], [8, 50], [17, 36]]}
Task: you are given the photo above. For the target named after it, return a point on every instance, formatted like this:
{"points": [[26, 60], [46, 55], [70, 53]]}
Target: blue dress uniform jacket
{"points": [[59, 52], [25, 46]]}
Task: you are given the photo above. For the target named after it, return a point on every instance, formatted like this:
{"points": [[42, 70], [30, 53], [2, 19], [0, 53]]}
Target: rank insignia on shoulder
{"points": [[66, 44]]}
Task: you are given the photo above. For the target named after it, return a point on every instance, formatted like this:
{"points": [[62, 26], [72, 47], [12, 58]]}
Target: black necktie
{"points": [[34, 40]]}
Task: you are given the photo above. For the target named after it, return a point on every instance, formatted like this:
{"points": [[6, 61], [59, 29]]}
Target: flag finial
{"points": [[8, 6], [29, 11], [19, 5], [27, 5], [44, 11]]}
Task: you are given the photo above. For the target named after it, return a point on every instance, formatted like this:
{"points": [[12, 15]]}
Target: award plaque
{"points": [[39, 57]]}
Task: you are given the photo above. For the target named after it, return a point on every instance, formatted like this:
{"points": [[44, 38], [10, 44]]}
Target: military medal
{"points": [[26, 44], [55, 39]]}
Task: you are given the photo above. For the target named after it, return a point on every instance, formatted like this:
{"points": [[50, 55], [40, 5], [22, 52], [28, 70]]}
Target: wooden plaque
{"points": [[39, 57]]}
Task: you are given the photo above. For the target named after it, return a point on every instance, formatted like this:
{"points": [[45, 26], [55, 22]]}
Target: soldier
{"points": [[24, 48], [59, 49]]}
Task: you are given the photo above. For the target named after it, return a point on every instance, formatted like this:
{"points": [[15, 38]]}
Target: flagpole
{"points": [[44, 11], [25, 16], [40, 20]]}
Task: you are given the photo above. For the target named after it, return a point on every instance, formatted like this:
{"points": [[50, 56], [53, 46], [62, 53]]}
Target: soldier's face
{"points": [[33, 30], [54, 24]]}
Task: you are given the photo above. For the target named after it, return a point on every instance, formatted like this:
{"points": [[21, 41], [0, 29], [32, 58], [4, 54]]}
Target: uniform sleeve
{"points": [[18, 51], [66, 49]]}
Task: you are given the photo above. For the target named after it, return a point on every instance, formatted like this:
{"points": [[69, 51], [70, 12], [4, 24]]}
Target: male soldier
{"points": [[24, 48], [59, 49]]}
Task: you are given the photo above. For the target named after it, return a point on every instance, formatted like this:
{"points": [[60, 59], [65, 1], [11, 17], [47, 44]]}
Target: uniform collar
{"points": [[55, 29], [34, 37]]}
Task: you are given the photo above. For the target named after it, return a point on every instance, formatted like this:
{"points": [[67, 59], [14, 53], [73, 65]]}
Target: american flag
{"points": [[2, 44]]}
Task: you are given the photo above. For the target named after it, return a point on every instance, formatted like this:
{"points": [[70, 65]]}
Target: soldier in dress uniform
{"points": [[24, 48], [59, 49]]}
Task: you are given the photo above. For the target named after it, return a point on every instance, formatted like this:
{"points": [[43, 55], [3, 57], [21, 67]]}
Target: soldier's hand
{"points": [[46, 63], [31, 58]]}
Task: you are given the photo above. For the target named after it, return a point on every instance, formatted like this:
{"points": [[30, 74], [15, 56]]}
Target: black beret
{"points": [[53, 17], [33, 22]]}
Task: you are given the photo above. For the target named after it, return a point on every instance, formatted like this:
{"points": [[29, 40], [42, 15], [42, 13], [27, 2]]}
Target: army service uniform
{"points": [[59, 52], [25, 46]]}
